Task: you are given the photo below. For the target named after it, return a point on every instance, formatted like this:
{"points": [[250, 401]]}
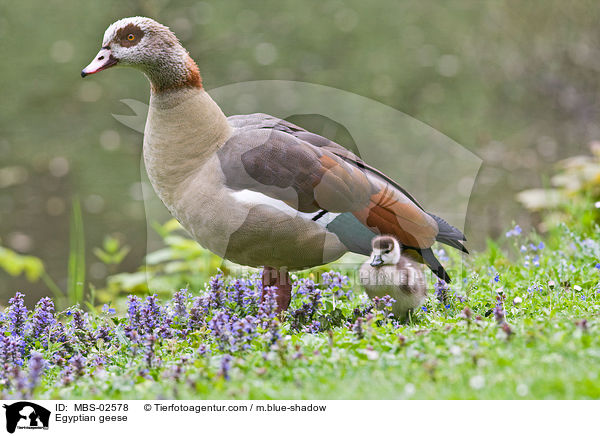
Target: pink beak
{"points": [[103, 60]]}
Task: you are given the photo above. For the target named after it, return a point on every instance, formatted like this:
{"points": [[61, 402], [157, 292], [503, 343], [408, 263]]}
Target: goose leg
{"points": [[280, 280]]}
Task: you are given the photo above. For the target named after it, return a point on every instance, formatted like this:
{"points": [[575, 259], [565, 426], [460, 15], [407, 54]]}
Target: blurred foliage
{"points": [[182, 262], [515, 82], [16, 264], [575, 196], [111, 252]]}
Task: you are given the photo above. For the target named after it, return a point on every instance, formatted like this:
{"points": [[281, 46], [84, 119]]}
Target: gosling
{"points": [[387, 272]]}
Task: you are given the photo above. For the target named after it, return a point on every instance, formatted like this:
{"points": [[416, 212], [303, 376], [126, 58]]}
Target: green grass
{"points": [[549, 353]]}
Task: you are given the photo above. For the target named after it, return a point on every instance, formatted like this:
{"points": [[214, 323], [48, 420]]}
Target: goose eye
{"points": [[130, 37]]}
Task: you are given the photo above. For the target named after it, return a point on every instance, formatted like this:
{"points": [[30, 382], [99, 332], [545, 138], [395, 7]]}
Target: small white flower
{"points": [[409, 389], [455, 350], [477, 382], [551, 283], [577, 288], [522, 390], [371, 354], [517, 301], [597, 205]]}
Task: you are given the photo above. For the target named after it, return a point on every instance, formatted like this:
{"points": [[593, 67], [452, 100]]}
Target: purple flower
{"points": [[301, 316], [200, 308], [336, 282], [12, 349], [77, 363], [105, 333], [242, 294], [216, 293], [108, 310], [79, 320], [134, 312], [99, 360], [150, 314], [226, 366], [357, 328], [79, 328], [150, 358], [498, 310], [43, 318], [384, 303], [305, 287], [231, 332], [441, 292], [180, 304], [177, 371], [17, 379], [17, 314], [58, 333], [36, 368], [132, 334], [314, 327], [165, 330], [442, 255], [267, 309], [75, 369], [203, 349], [514, 231]]}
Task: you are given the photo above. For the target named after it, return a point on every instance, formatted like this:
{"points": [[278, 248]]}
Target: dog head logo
{"points": [[26, 415]]}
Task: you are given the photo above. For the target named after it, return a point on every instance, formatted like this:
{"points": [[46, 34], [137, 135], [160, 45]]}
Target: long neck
{"points": [[174, 71], [184, 129]]}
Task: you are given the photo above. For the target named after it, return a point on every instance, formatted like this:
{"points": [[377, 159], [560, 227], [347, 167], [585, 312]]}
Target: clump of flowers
{"points": [[498, 310], [336, 284], [43, 317], [515, 231], [384, 305], [441, 293], [75, 369], [17, 314]]}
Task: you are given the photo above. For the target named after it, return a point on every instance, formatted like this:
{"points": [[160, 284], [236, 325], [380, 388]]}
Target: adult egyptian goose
{"points": [[387, 272], [255, 189]]}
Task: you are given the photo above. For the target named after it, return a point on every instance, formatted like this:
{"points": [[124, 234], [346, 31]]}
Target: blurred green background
{"points": [[515, 82]]}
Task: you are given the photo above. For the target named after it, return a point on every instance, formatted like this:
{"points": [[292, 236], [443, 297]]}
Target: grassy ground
{"points": [[530, 330]]}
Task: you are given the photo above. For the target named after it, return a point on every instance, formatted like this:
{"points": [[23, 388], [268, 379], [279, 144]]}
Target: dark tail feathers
{"points": [[434, 264], [449, 235]]}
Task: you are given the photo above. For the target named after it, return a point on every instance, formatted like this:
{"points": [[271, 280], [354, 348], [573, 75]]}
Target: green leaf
{"points": [[76, 267]]}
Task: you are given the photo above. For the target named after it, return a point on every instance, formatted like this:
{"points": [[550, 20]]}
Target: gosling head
{"points": [[385, 251], [147, 45]]}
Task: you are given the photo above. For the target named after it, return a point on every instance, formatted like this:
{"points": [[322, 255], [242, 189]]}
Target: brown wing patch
{"points": [[390, 213], [342, 187], [318, 179]]}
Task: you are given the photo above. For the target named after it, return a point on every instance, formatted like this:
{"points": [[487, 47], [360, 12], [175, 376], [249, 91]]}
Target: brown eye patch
{"points": [[129, 35]]}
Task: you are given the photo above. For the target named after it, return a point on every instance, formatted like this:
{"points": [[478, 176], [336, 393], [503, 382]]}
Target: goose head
{"points": [[149, 46], [385, 251]]}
